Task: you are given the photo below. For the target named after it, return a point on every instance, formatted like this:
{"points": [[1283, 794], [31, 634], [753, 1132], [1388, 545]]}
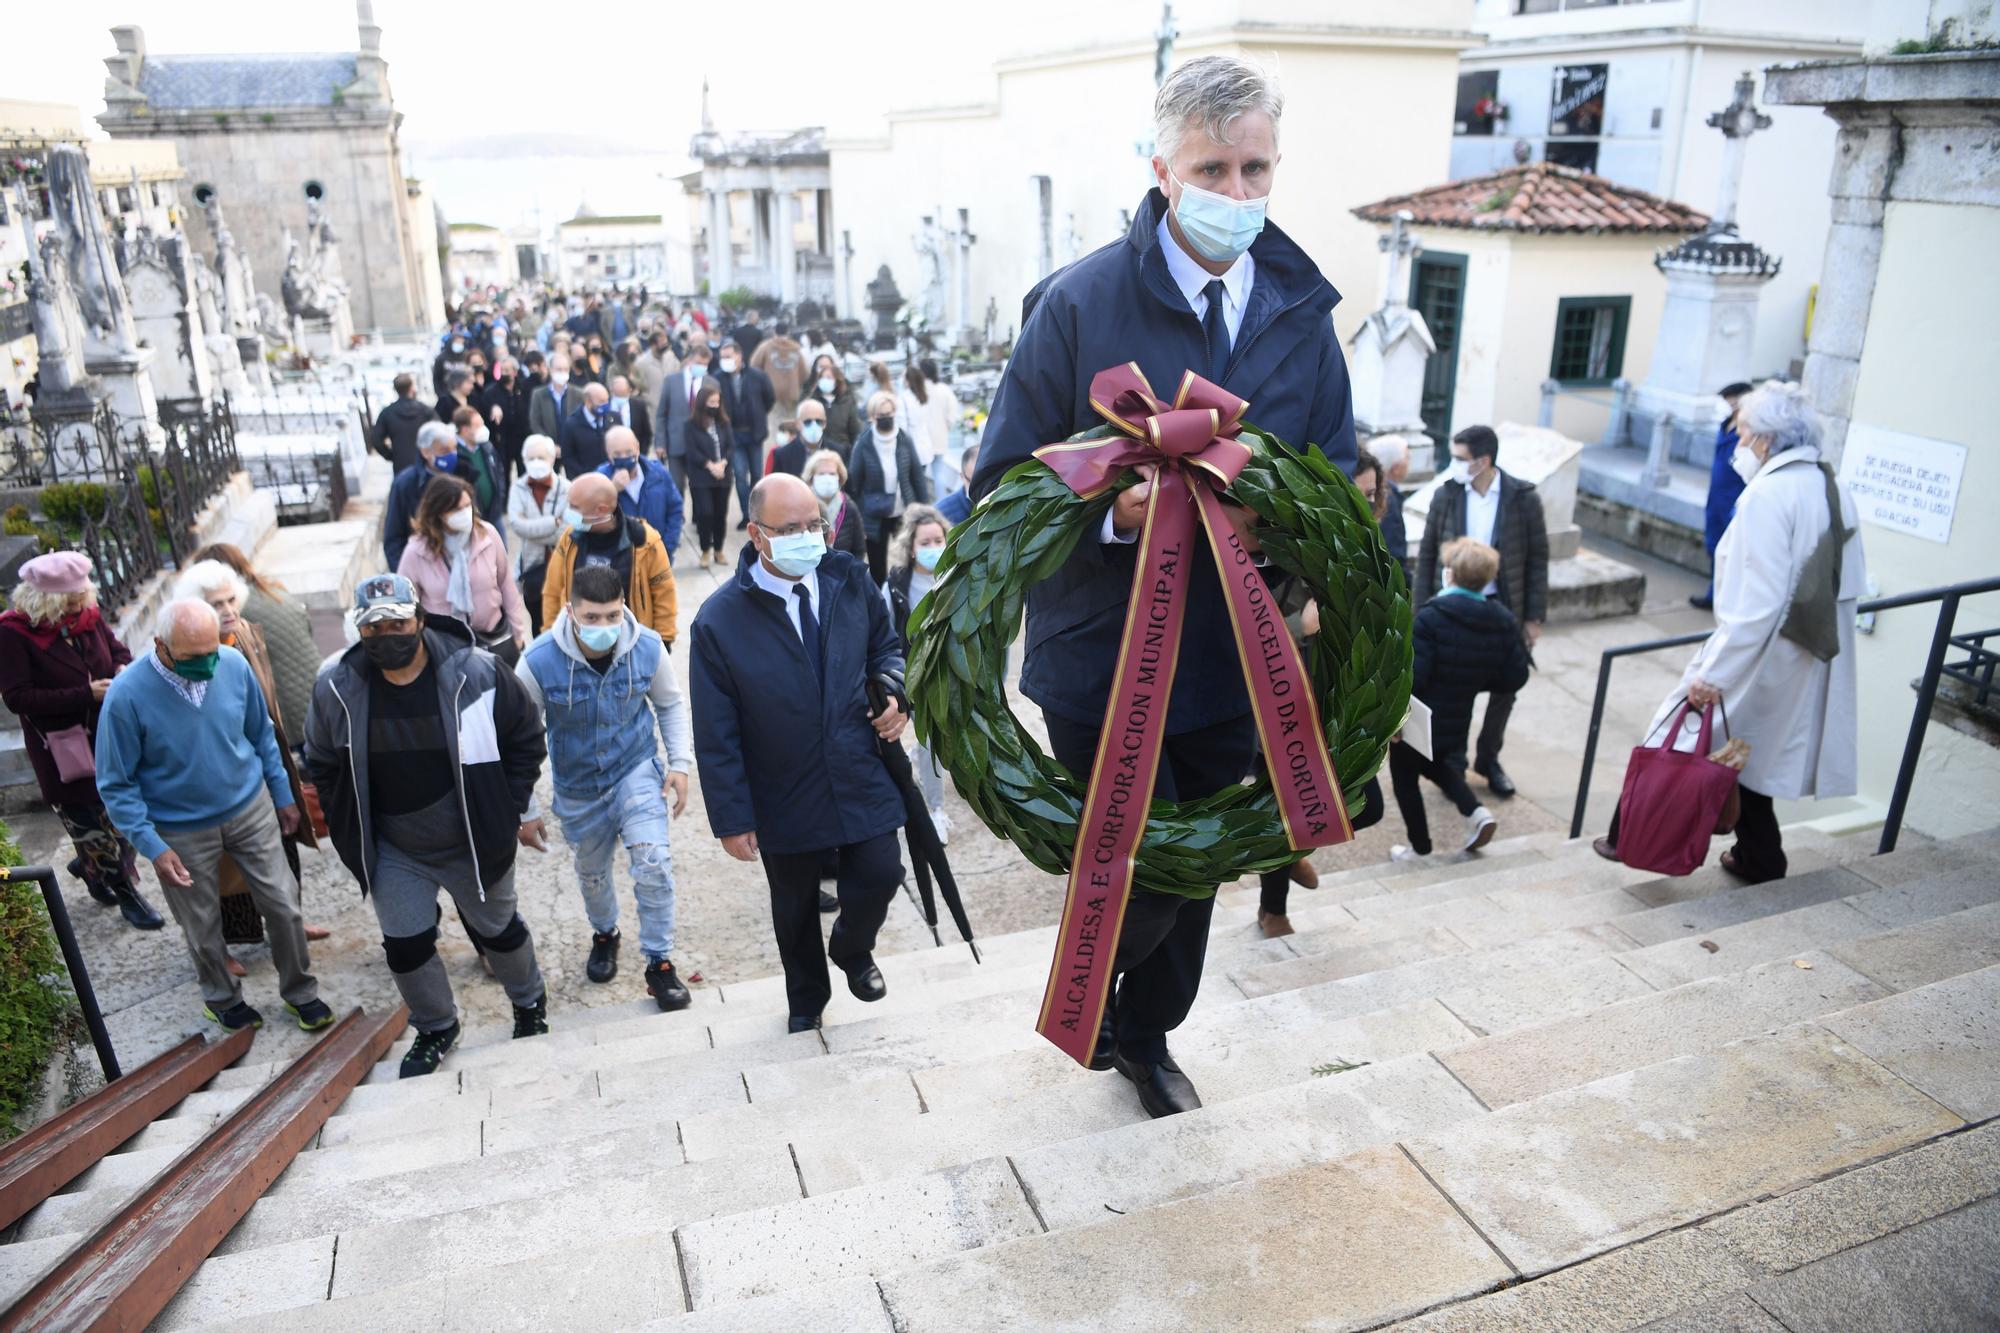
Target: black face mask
{"points": [[391, 652], [887, 425]]}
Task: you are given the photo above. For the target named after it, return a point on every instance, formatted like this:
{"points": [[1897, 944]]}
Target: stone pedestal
{"points": [[128, 387], [1385, 366], [1707, 330]]}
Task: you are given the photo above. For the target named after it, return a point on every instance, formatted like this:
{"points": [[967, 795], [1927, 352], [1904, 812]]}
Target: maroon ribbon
{"points": [[1194, 448]]}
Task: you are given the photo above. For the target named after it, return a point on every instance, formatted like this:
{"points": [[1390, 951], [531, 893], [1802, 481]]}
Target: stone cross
{"points": [[1163, 50], [1400, 243], [1737, 121]]}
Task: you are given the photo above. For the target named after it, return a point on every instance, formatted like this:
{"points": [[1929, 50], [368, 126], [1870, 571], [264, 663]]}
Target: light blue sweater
{"points": [[165, 766]]}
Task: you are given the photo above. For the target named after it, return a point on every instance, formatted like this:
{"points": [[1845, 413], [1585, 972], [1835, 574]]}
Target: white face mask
{"points": [[1745, 463], [559, 378], [1460, 471], [729, 365], [826, 485], [483, 436], [1218, 227], [459, 520], [826, 384], [539, 468]]}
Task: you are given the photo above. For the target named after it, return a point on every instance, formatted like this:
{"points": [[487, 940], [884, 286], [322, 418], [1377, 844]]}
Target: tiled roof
{"points": [[1539, 197], [184, 83]]}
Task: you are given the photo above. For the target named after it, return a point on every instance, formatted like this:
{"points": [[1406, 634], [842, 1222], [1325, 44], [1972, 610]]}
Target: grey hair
{"points": [[542, 440], [1778, 411], [904, 550], [206, 576], [1211, 91], [431, 432], [176, 613], [1389, 450]]}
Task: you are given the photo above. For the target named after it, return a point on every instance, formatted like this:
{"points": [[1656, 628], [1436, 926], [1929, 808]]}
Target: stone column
{"points": [[721, 256], [962, 250], [784, 206]]}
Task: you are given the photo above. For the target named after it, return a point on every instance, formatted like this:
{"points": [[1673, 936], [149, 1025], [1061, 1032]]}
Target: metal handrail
{"points": [[79, 975], [1949, 596]]}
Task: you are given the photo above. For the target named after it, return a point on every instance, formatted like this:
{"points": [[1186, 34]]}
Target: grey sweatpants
{"points": [[252, 838], [406, 904]]}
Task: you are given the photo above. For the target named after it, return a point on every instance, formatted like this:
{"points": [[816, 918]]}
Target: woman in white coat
{"points": [[1781, 659]]}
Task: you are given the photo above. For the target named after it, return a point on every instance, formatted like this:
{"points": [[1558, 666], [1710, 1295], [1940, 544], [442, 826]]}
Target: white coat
{"points": [[1797, 712]]}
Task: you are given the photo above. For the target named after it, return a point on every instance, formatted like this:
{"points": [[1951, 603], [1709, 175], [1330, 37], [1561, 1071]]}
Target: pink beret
{"points": [[58, 571]]}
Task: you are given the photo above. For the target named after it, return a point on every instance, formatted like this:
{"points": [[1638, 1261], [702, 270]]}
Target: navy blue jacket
{"points": [[1724, 488], [407, 487], [659, 500], [777, 754], [747, 397], [582, 442], [1120, 304], [1465, 645], [956, 507], [1394, 532]]}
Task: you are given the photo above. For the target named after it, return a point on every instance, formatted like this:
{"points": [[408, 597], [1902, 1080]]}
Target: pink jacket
{"points": [[493, 586]]}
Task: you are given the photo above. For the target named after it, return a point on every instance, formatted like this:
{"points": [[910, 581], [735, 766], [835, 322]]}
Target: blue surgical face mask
{"points": [[927, 556], [797, 554], [577, 522], [812, 430], [446, 462], [598, 638], [1218, 227]]}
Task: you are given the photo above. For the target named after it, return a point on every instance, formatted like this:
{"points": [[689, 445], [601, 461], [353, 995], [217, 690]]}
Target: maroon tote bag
{"points": [[1673, 800]]}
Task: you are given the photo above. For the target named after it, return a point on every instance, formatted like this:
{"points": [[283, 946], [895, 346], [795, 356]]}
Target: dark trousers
{"points": [[677, 464], [1405, 767], [878, 565], [531, 582], [1760, 843], [1275, 886], [711, 516], [870, 872], [1493, 730], [1165, 936]]}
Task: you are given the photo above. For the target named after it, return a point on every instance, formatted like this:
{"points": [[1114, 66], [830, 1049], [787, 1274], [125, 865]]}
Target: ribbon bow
{"points": [[1194, 446]]}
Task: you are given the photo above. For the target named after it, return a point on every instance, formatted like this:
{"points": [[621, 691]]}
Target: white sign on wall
{"points": [[1906, 483]]}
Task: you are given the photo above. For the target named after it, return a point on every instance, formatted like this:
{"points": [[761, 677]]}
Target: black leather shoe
{"points": [[801, 1023], [867, 984], [1702, 602], [664, 985], [138, 913], [603, 964], [1496, 777], [1163, 1088], [827, 902], [1107, 1045]]}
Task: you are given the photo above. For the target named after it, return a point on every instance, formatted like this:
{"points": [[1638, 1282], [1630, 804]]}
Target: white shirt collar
{"points": [[781, 588], [1191, 277]]}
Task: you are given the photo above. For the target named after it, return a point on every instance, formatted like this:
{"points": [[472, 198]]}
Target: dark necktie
{"points": [[809, 631], [1216, 329]]}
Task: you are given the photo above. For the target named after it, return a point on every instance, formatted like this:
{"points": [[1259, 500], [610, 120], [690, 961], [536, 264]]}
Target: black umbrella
{"points": [[926, 848]]}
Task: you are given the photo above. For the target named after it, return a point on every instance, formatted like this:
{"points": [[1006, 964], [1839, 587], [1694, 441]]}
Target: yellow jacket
{"points": [[650, 593]]}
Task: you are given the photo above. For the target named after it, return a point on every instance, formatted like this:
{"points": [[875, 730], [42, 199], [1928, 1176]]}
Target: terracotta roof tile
{"points": [[1539, 197]]}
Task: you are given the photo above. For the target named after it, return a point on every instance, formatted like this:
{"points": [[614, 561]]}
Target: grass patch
{"points": [[1336, 1067], [35, 1000]]}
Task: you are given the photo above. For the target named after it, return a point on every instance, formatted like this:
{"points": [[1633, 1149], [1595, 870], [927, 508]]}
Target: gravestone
{"points": [[166, 317], [886, 301]]}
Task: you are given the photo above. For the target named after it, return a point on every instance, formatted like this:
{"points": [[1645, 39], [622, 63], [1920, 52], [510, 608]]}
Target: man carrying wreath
{"points": [[1202, 283]]}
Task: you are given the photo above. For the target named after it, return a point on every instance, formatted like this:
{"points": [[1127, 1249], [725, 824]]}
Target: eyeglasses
{"points": [[818, 527]]}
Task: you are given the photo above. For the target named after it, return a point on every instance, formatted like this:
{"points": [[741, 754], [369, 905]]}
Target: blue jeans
{"points": [[635, 813], [749, 465]]}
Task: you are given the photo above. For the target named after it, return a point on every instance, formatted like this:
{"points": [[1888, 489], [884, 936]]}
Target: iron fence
{"points": [[309, 485], [122, 542]]}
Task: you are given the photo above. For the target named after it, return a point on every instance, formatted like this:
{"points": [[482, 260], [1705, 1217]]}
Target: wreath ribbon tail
{"points": [[1282, 701], [1122, 776]]}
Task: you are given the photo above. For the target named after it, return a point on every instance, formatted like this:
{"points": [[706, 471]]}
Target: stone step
{"points": [[1385, 1232], [1697, 1278]]}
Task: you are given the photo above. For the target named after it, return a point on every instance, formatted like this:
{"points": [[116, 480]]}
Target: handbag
{"points": [[314, 810], [70, 748], [1674, 801]]}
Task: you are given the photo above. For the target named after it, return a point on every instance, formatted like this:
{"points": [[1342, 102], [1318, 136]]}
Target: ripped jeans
{"points": [[634, 813]]}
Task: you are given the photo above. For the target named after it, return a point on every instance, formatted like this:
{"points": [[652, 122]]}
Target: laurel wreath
{"points": [[1315, 525]]}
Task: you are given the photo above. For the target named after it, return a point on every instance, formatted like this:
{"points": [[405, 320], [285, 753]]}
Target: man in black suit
{"points": [[676, 405], [749, 333], [631, 411], [746, 393], [583, 433], [396, 426]]}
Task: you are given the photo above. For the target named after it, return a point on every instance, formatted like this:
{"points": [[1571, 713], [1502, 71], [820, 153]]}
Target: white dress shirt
{"points": [[1191, 278], [1482, 515], [781, 588]]}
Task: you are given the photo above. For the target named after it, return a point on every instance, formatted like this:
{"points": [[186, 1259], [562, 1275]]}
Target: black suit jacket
{"points": [[1519, 534], [582, 444]]}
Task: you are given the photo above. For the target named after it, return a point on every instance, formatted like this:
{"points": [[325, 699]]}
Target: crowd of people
{"points": [[529, 615]]}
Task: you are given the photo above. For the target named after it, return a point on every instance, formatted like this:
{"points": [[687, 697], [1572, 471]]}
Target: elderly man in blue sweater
{"points": [[188, 767]]}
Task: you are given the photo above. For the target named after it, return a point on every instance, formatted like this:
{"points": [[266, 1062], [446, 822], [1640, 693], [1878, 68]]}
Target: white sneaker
{"points": [[1479, 828], [942, 823], [1399, 852]]}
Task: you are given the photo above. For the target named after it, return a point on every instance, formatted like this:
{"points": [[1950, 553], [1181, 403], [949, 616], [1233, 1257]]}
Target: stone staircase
{"points": [[1523, 1090]]}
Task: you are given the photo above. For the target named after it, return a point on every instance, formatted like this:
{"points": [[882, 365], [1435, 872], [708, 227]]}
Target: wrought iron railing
{"points": [[122, 542], [1976, 671], [309, 485]]}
